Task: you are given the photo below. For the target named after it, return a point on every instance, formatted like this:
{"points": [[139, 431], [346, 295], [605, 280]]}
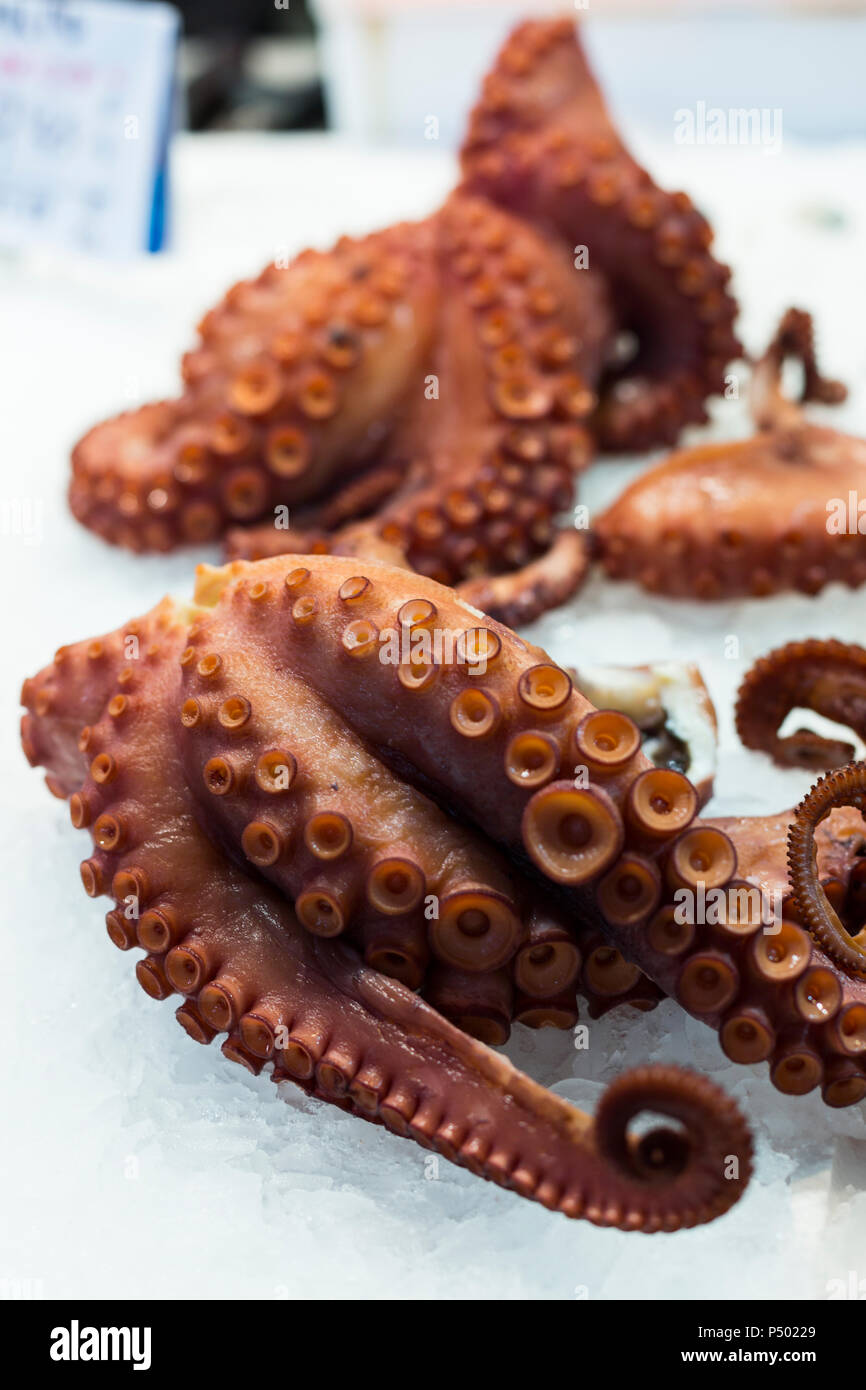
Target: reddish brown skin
{"points": [[542, 143], [290, 388], [310, 388], [838, 926], [220, 932], [454, 364], [830, 1049], [721, 974], [500, 747], [823, 675], [484, 469], [751, 517]]}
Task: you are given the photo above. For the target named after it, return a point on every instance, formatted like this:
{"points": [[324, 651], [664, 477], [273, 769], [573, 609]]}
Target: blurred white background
{"points": [[390, 63]]}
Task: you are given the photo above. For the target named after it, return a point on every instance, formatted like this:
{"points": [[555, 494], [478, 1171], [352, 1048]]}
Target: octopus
{"points": [[361, 829], [429, 394], [751, 517], [305, 885]]}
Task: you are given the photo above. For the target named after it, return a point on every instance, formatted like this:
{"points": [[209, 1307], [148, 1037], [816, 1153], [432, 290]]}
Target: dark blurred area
{"points": [[248, 64]]}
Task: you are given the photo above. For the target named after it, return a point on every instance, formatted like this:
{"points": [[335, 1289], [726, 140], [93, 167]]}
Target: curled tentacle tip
{"points": [[846, 786], [693, 1166], [824, 675]]}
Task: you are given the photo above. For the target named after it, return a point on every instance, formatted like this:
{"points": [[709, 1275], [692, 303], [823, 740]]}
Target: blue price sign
{"points": [[86, 106]]}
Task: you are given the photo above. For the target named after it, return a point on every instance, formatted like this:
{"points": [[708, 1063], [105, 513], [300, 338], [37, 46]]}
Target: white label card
{"points": [[86, 107]]}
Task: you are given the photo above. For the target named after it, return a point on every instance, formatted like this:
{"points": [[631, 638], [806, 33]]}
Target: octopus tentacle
{"points": [[431, 382], [514, 597], [517, 352], [488, 450], [826, 676], [519, 597], [311, 525], [264, 540], [846, 786], [749, 517], [498, 733], [71, 695], [761, 843], [443, 711], [295, 378], [359, 497], [295, 801], [541, 142], [231, 946], [549, 961], [490, 699], [794, 338], [818, 997]]}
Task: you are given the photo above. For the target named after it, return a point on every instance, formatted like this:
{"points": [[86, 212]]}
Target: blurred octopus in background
{"points": [[429, 393]]}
